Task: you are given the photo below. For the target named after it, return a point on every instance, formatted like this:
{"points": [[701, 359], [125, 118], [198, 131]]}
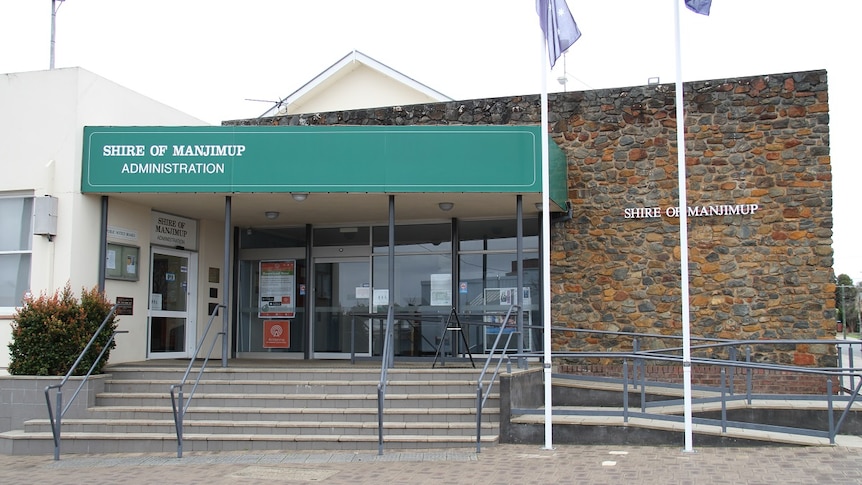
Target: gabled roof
{"points": [[409, 90]]}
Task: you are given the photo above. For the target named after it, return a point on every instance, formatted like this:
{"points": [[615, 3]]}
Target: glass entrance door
{"points": [[172, 303], [341, 289]]}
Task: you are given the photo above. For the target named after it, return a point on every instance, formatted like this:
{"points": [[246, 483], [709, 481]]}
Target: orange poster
{"points": [[276, 334]]}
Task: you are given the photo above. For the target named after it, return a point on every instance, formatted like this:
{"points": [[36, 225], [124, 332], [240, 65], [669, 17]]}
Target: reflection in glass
{"points": [[416, 275], [250, 334], [167, 334], [340, 291]]}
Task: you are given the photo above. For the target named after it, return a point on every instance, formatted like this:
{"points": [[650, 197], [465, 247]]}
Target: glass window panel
{"points": [[167, 334], [250, 332], [264, 237], [490, 271], [14, 278], [170, 280], [415, 238], [341, 236], [16, 219], [415, 278], [498, 234]]}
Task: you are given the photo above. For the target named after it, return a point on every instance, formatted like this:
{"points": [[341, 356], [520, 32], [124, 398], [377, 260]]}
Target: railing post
{"points": [[479, 418], [851, 365], [840, 350], [636, 346], [829, 410], [643, 390], [732, 369], [748, 374], [58, 418], [723, 400], [180, 424], [380, 420], [626, 390]]}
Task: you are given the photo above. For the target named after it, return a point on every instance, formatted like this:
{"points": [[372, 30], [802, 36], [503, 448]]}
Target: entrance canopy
{"points": [[328, 159]]}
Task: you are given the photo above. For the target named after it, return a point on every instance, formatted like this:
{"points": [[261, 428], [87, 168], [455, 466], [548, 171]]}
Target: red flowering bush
{"points": [[49, 333]]}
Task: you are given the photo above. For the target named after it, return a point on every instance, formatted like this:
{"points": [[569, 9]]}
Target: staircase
{"points": [[303, 407]]}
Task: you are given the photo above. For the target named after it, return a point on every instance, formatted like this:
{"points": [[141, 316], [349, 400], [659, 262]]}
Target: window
{"points": [[16, 236]]}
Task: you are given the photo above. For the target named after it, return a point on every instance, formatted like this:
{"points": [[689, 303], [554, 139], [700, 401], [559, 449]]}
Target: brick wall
{"points": [[763, 381]]}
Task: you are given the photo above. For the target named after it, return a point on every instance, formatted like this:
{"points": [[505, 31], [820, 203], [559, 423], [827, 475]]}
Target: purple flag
{"points": [[699, 6], [558, 25]]}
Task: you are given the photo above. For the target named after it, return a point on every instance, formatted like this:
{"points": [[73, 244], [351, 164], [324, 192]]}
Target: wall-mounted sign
{"points": [[693, 211], [115, 232], [276, 334], [174, 231], [125, 305], [277, 289]]}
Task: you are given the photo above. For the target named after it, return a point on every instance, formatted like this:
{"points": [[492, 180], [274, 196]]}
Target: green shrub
{"points": [[49, 333]]}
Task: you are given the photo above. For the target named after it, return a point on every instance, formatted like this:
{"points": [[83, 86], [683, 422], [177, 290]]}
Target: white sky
{"points": [[206, 57]]}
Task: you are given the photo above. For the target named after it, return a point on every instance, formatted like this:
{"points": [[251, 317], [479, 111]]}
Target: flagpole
{"points": [[546, 252], [683, 235]]}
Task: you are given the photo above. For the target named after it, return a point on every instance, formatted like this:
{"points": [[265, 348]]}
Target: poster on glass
{"points": [[277, 289], [498, 302]]}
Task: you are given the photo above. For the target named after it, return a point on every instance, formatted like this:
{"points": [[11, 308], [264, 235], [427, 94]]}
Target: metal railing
{"points": [[724, 393], [55, 416], [388, 352], [177, 406], [386, 362], [482, 392]]}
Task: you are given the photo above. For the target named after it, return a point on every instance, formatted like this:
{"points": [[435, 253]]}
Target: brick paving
{"points": [[501, 464]]}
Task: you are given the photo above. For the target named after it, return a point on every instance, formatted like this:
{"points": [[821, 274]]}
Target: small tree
{"points": [[845, 302], [49, 333]]}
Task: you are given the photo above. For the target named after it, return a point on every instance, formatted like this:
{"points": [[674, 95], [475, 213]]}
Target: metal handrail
{"points": [[482, 393], [386, 363], [179, 410], [56, 418], [725, 396]]}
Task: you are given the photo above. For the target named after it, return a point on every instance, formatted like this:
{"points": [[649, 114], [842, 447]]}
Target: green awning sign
{"points": [[246, 159]]}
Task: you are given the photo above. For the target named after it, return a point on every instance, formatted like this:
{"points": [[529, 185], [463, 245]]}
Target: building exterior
{"points": [[760, 198], [305, 227], [42, 121]]}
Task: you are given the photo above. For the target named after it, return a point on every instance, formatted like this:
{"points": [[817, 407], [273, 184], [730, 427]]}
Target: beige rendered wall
{"points": [[376, 88], [41, 140]]}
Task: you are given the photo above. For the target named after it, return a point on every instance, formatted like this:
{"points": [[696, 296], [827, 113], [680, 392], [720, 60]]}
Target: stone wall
{"points": [[759, 146], [759, 196]]}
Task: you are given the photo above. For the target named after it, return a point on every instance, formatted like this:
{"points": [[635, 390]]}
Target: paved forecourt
{"points": [[501, 464]]}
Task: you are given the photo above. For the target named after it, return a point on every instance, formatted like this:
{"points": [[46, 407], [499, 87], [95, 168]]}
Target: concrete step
{"points": [[261, 408], [744, 434], [314, 414], [292, 400], [195, 426], [239, 374], [22, 443], [293, 386]]}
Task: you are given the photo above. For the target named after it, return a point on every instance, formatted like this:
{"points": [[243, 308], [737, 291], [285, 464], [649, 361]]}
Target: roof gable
{"points": [[336, 88]]}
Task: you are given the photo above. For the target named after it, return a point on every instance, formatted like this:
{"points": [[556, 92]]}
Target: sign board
{"points": [[174, 231], [277, 283], [276, 334], [342, 159], [125, 306]]}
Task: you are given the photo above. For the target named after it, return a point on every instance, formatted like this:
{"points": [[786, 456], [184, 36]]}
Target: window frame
{"points": [[24, 236]]}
